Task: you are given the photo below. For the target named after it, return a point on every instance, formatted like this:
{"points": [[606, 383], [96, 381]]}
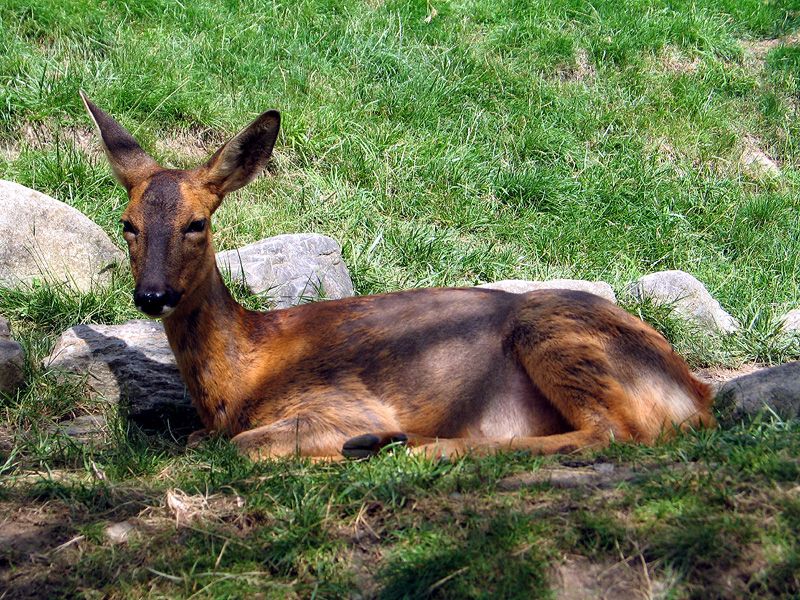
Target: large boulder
{"points": [[130, 364], [776, 389], [42, 238], [290, 268], [12, 361], [688, 298], [522, 286]]}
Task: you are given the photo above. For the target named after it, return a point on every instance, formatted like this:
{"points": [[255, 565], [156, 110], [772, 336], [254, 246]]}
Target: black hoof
{"points": [[369, 444]]}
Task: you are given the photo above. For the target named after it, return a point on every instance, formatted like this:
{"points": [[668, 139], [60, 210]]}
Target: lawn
{"points": [[442, 143]]}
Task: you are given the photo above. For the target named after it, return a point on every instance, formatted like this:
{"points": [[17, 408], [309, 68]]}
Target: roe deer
{"points": [[444, 371]]}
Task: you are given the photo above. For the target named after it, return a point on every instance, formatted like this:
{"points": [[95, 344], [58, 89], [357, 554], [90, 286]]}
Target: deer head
{"points": [[167, 220]]}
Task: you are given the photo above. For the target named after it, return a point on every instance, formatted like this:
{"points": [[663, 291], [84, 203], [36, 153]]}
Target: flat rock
{"points": [[290, 268], [12, 361], [688, 298], [130, 364], [46, 240], [522, 286], [774, 388]]}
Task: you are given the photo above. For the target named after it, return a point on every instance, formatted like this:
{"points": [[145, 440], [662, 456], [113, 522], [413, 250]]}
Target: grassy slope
{"points": [[501, 139]]}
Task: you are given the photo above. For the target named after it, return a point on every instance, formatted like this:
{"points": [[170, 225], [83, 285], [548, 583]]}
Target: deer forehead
{"points": [[169, 196]]}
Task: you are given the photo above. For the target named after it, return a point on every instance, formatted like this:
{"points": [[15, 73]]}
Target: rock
{"points": [[131, 364], [12, 361], [290, 268], [688, 298], [118, 533], [790, 322], [44, 239], [775, 388], [85, 428], [521, 286]]}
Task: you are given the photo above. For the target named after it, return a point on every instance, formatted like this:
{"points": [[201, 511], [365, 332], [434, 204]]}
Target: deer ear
{"points": [[130, 163], [241, 159]]}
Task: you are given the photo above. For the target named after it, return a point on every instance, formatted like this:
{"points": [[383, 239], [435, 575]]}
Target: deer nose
{"points": [[155, 302], [150, 302]]}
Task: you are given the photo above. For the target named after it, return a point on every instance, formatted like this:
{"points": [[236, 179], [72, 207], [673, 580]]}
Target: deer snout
{"points": [[155, 302]]}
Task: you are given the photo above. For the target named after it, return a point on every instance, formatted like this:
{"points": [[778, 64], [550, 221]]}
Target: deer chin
{"points": [[165, 312]]}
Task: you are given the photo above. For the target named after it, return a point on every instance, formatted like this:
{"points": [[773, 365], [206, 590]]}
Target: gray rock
{"points": [[790, 322], [47, 240], [521, 286], [131, 364], [290, 268], [688, 298], [12, 361], [775, 388]]}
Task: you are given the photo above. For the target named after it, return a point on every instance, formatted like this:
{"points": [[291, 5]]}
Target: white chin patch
{"points": [[165, 312]]}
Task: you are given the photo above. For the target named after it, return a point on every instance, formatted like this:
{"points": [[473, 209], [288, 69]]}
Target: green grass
{"points": [[497, 139]]}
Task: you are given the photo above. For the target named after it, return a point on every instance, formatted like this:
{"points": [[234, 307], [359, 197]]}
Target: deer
{"points": [[445, 372]]}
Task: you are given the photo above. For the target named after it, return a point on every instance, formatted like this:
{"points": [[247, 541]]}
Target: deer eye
{"points": [[127, 227], [196, 226]]}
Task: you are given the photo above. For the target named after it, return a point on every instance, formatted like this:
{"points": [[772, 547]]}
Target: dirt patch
{"points": [[754, 161], [188, 147], [674, 61], [40, 136], [717, 376], [9, 151], [581, 70], [760, 48], [27, 531], [578, 578]]}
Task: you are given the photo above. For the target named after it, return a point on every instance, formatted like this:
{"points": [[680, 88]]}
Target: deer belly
{"points": [[518, 409]]}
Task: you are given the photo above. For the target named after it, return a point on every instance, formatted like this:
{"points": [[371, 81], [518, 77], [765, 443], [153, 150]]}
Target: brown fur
{"points": [[446, 371]]}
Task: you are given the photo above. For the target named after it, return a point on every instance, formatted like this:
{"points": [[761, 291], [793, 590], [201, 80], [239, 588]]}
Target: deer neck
{"points": [[208, 335]]}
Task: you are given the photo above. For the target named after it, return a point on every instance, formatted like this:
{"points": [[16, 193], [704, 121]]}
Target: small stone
{"points": [[119, 533], [604, 468], [12, 361], [523, 286], [774, 388], [688, 298], [47, 240], [291, 269]]}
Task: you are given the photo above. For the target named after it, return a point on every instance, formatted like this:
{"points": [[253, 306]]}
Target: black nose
{"points": [[150, 302], [153, 302]]}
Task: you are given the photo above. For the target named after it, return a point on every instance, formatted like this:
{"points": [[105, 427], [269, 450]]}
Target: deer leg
{"points": [[562, 443], [319, 434]]}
